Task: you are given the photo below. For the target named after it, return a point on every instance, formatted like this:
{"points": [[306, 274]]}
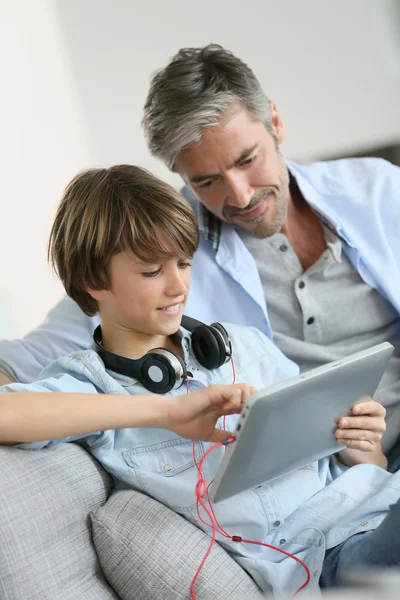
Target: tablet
{"points": [[290, 424]]}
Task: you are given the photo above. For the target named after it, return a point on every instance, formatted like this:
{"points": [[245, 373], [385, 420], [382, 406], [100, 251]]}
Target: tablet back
{"points": [[291, 424]]}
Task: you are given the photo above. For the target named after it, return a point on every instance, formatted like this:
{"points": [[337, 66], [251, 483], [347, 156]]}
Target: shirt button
{"points": [[283, 248], [302, 285], [310, 321], [364, 524], [276, 523], [315, 572], [167, 467], [282, 542]]}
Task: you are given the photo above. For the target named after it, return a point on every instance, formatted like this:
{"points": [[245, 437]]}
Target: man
{"points": [[318, 245]]}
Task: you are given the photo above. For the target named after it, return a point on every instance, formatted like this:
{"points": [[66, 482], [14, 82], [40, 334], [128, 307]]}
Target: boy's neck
{"points": [[134, 344]]}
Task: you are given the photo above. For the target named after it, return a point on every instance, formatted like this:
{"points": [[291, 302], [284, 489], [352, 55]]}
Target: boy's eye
{"points": [[152, 273], [184, 265]]}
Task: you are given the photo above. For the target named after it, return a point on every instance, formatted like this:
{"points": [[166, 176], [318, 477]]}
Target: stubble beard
{"points": [[266, 224]]}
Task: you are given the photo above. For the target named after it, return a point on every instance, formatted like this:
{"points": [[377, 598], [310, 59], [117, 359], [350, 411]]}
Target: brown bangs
{"points": [[107, 211], [160, 236]]}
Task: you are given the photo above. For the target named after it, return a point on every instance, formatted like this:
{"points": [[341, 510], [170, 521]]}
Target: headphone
{"points": [[161, 370]]}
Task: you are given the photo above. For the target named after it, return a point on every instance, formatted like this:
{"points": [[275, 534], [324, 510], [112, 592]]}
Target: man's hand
{"points": [[195, 415], [361, 433]]}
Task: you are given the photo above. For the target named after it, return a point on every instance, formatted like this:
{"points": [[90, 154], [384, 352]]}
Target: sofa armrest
{"points": [[46, 550]]}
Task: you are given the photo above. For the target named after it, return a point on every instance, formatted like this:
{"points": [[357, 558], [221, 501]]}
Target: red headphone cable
{"points": [[201, 493], [202, 488]]}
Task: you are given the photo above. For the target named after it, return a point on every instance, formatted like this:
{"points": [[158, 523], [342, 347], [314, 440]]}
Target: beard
{"points": [[271, 220]]}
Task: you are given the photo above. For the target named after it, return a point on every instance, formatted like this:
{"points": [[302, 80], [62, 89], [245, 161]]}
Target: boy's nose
{"points": [[176, 285]]}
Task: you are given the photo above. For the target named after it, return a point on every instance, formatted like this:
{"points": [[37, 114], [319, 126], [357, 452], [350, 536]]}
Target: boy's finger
{"points": [[366, 423], [220, 435], [369, 408], [358, 435], [357, 445]]}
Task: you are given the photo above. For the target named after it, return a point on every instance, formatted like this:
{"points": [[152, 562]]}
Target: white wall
{"points": [[325, 63], [76, 76], [44, 142]]}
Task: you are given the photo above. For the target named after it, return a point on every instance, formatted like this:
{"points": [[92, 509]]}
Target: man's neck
{"points": [[303, 228]]}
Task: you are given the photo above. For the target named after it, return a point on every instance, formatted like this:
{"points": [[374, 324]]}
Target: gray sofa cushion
{"points": [[148, 552], [46, 552]]}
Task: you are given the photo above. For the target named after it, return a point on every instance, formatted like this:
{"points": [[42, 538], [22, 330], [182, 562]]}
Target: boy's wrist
{"points": [[159, 414], [351, 457]]}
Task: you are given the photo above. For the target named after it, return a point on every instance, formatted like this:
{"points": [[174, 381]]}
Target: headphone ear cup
{"points": [[159, 371], [162, 370], [208, 347], [225, 338]]}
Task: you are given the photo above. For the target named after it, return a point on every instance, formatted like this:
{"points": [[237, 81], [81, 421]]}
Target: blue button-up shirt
{"points": [[358, 198], [304, 512]]}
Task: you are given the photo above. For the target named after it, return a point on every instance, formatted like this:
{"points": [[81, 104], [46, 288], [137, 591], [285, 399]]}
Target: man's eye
{"points": [[204, 185], [152, 273], [248, 161]]}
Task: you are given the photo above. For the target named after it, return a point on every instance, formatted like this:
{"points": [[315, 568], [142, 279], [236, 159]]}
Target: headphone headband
{"points": [[160, 370], [189, 323]]}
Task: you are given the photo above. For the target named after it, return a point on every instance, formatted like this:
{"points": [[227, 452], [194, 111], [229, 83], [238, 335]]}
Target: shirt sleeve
{"points": [[63, 382], [66, 329]]}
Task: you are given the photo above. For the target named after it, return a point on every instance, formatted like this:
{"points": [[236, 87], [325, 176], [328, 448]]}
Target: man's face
{"points": [[238, 173]]}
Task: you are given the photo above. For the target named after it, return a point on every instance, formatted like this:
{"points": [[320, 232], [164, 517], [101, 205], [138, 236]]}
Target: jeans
{"points": [[379, 548]]}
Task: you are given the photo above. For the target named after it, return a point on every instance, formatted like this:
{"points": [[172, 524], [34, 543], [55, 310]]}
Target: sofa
{"points": [[65, 534]]}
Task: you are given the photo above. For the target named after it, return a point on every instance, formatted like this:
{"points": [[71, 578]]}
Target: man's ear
{"points": [[277, 123]]}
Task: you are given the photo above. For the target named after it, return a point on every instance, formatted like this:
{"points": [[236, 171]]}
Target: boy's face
{"points": [[145, 298]]}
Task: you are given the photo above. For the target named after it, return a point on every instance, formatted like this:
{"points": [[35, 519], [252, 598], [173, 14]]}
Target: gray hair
{"points": [[193, 92]]}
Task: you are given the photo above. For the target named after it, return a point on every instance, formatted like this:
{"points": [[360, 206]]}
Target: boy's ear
{"points": [[96, 294]]}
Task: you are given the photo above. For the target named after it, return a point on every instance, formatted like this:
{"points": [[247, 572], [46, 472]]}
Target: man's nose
{"points": [[240, 191]]}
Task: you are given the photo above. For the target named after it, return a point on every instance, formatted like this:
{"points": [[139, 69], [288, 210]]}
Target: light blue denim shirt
{"points": [[304, 512], [359, 198]]}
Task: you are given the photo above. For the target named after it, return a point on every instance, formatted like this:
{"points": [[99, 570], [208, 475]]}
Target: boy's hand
{"points": [[195, 415], [362, 431]]}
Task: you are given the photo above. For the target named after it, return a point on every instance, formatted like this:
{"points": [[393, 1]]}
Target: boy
{"points": [[122, 243]]}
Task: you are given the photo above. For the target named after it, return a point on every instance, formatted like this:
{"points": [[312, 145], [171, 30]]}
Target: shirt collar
{"points": [[211, 226], [333, 242]]}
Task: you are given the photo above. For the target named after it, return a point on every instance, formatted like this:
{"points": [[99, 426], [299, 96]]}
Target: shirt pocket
{"points": [[167, 471]]}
